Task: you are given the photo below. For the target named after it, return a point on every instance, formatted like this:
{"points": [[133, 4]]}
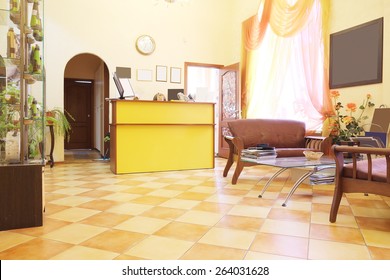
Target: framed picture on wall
{"points": [[175, 75], [144, 75], [161, 73]]}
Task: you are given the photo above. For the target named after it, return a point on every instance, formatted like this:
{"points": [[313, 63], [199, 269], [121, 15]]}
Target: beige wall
{"points": [[207, 31], [199, 31]]}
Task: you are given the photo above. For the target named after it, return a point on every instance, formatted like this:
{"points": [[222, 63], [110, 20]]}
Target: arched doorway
{"points": [[86, 85]]}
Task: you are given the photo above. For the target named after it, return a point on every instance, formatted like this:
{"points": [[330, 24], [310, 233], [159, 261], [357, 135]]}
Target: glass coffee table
{"points": [[285, 163]]}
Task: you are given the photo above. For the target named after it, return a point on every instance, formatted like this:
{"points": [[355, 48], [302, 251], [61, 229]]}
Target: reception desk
{"points": [[149, 136]]}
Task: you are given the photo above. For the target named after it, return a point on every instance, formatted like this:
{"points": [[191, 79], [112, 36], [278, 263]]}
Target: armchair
{"points": [[287, 136], [368, 176]]}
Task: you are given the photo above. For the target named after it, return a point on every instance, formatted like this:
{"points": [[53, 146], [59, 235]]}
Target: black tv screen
{"points": [[356, 55]]}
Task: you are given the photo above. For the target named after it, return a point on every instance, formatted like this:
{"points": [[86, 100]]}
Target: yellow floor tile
{"points": [[183, 231], [84, 253], [104, 219], [72, 201], [200, 218], [342, 220], [377, 238], [193, 196], [10, 239], [149, 200], [129, 208], [72, 191], [213, 207], [285, 228], [211, 252], [74, 214], [371, 212], [121, 196], [378, 253], [263, 256], [144, 225], [35, 249], [114, 240], [240, 223], [163, 213], [336, 233], [99, 204], [160, 248], [329, 250], [48, 226], [220, 198], [180, 203], [373, 223], [231, 238], [282, 245], [289, 215], [74, 233], [249, 211]]}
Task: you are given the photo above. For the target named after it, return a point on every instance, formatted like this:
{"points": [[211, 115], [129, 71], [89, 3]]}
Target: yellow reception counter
{"points": [[148, 136]]}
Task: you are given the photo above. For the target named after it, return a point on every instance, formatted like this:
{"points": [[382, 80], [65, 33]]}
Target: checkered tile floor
{"points": [[93, 214]]}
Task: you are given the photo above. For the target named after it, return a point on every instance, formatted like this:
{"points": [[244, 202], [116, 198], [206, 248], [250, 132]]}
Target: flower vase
{"points": [[350, 143]]}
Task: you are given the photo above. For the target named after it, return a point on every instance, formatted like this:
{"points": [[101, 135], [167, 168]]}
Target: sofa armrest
{"points": [[236, 144], [320, 143]]}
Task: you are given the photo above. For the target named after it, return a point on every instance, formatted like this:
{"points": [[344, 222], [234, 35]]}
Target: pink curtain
{"points": [[284, 62]]}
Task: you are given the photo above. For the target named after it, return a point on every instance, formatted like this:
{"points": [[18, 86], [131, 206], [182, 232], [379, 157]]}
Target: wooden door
{"points": [[77, 101], [229, 107]]}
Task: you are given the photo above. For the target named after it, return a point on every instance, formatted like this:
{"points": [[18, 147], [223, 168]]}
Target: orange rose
{"points": [[351, 107], [334, 93], [368, 95], [347, 120]]}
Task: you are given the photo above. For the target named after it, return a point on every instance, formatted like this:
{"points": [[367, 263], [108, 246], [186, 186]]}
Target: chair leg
{"points": [[237, 172], [338, 194]]}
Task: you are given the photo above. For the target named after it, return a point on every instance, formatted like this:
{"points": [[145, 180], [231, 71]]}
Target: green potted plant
{"points": [[60, 122]]}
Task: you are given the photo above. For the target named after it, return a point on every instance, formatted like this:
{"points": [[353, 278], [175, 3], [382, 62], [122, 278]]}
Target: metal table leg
{"points": [[270, 180], [303, 178], [297, 183]]}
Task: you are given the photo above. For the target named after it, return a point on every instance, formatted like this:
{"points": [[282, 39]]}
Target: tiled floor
{"points": [[197, 214]]}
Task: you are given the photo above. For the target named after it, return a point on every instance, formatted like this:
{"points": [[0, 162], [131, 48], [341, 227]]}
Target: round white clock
{"points": [[145, 44]]}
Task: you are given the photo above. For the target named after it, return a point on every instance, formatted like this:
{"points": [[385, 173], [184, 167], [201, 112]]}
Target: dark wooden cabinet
{"points": [[21, 196]]}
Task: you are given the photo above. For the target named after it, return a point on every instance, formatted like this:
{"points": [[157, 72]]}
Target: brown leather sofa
{"points": [[287, 136], [369, 176]]}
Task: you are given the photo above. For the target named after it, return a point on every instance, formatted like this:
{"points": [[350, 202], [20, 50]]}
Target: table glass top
{"points": [[290, 162]]}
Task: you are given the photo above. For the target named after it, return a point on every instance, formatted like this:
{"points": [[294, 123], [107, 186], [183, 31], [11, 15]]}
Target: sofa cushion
{"points": [[275, 133], [378, 170]]}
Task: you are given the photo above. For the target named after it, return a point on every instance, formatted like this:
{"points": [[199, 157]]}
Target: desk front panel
{"points": [[149, 148]]}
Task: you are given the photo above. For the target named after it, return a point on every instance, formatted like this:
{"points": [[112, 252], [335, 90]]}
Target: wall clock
{"points": [[145, 44]]}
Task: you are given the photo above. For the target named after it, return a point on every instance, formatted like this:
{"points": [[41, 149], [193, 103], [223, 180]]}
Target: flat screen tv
{"points": [[356, 55]]}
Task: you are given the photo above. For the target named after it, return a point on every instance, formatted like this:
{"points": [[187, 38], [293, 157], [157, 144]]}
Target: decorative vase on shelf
{"points": [[14, 6], [35, 22]]}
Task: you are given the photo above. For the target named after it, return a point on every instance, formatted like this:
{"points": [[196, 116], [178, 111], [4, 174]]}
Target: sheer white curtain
{"points": [[287, 71]]}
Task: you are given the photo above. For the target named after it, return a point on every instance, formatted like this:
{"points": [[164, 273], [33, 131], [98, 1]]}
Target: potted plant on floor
{"points": [[60, 122]]}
